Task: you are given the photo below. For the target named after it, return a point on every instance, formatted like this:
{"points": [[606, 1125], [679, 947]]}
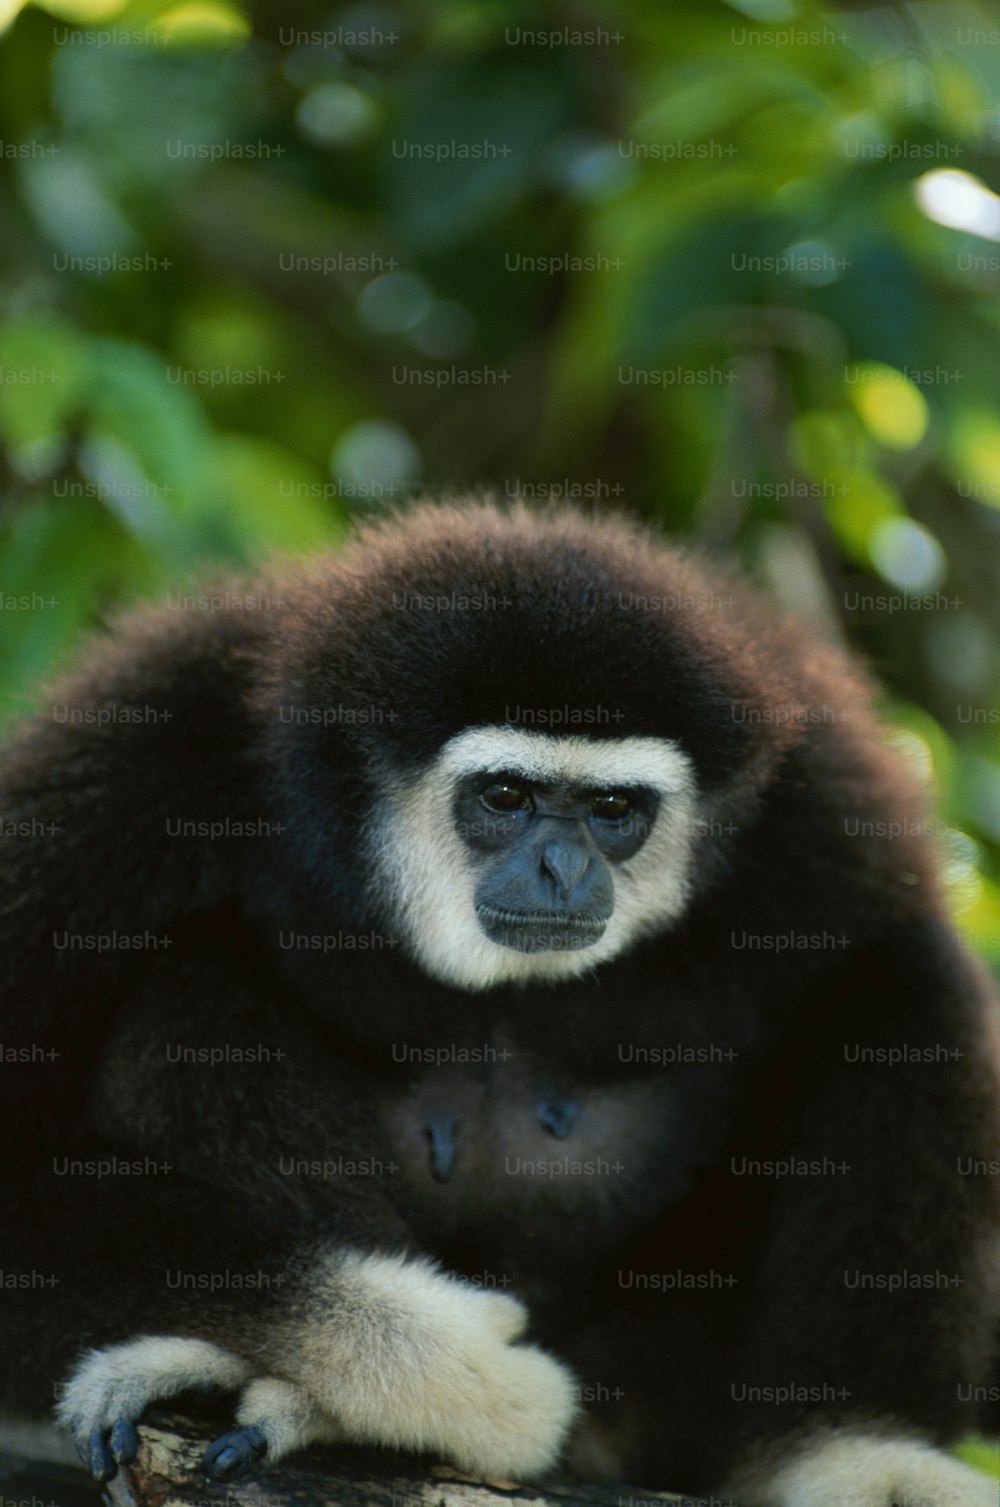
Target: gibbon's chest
{"points": [[477, 1142]]}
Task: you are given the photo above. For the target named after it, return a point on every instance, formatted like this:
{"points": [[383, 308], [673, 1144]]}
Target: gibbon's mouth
{"points": [[540, 931]]}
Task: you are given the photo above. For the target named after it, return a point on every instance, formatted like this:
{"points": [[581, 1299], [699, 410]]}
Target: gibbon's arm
{"points": [[186, 1254], [878, 1264], [152, 731], [371, 1349], [165, 1285]]}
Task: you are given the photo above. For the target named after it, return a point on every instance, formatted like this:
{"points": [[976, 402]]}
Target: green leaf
{"points": [[270, 499], [159, 420], [44, 372]]}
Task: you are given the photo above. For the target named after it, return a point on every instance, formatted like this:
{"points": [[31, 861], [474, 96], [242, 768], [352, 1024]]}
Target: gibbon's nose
{"points": [[565, 863]]}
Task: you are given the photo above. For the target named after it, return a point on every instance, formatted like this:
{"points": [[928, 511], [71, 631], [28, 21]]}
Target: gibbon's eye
{"points": [[612, 806], [505, 796]]}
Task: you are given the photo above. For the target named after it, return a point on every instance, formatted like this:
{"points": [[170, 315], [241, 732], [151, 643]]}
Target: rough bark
{"points": [[166, 1475]]}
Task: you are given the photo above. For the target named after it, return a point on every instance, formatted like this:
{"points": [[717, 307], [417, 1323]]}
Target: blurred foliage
{"points": [[267, 267]]}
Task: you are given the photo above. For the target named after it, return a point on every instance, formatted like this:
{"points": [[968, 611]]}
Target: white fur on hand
{"points": [[851, 1470], [413, 1359], [394, 1353], [120, 1381]]}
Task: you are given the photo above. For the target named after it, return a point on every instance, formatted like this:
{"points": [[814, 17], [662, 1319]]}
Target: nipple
{"points": [[558, 1116], [441, 1134]]}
